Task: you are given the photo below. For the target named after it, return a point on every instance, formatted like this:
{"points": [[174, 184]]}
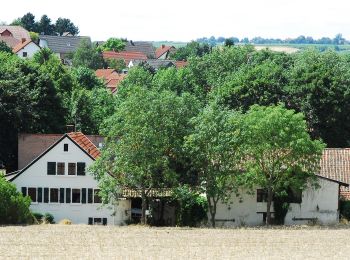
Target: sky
{"points": [[185, 20]]}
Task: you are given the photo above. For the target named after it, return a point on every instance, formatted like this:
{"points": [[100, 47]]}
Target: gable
{"points": [[56, 153]]}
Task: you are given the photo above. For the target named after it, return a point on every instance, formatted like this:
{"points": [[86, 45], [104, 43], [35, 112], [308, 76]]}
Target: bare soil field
{"points": [[100, 242]]}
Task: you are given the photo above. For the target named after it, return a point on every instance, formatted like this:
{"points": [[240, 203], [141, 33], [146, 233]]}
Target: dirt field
{"points": [[88, 242]]}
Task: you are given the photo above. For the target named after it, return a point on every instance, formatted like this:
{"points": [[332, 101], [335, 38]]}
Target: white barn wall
{"points": [[245, 209], [36, 176]]}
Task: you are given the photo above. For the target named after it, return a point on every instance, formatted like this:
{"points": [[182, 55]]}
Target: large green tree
{"points": [[87, 55], [279, 154], [63, 25], [214, 149], [143, 136]]}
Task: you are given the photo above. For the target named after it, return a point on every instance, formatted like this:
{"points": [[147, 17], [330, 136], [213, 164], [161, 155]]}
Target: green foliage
{"points": [[86, 78], [191, 49], [280, 206], [34, 36], [5, 48], [28, 22], [44, 26], [279, 153], [118, 65], [14, 208], [38, 217], [192, 207], [48, 218], [213, 147], [114, 44], [63, 25], [87, 55]]}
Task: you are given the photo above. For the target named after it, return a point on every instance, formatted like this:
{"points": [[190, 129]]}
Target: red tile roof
{"points": [[335, 164], [21, 45], [104, 73], [111, 78], [163, 49], [127, 56], [18, 32], [10, 41], [85, 143], [180, 64]]}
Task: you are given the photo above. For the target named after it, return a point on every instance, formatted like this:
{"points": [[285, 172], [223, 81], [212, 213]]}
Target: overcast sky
{"points": [[184, 20]]}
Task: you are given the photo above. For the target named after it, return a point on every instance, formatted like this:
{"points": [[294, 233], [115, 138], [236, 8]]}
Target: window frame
{"points": [[77, 172], [80, 196], [93, 196], [65, 147], [75, 167], [58, 196], [53, 167], [261, 196], [36, 195], [24, 54], [64, 168]]}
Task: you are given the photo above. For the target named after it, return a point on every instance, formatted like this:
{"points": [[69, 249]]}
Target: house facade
{"points": [[164, 52], [26, 49], [311, 206], [58, 182]]}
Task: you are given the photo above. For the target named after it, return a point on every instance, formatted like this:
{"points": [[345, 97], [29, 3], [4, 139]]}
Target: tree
{"points": [[229, 42], [5, 48], [278, 151], [143, 136], [14, 208], [65, 25], [88, 56], [191, 49], [339, 39], [114, 44], [28, 22], [45, 26], [117, 64], [34, 36], [214, 148]]}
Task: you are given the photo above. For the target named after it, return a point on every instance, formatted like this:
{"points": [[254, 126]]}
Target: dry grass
{"points": [[91, 242]]}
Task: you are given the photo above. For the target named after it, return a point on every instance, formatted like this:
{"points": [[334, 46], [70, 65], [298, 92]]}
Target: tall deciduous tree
{"points": [[114, 44], [143, 136], [45, 26], [87, 55], [214, 149], [63, 25], [279, 153]]}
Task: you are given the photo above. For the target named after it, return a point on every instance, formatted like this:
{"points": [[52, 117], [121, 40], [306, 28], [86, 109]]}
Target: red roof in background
{"points": [[104, 73], [85, 144], [127, 56], [21, 45], [10, 41], [162, 49], [180, 63], [111, 77]]}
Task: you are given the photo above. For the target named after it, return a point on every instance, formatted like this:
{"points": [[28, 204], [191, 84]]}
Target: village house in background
{"points": [[27, 49], [164, 52], [13, 35], [111, 78], [62, 46]]}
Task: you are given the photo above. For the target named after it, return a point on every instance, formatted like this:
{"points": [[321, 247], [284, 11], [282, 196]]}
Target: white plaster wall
{"points": [[163, 56], [245, 210], [36, 176], [30, 49]]}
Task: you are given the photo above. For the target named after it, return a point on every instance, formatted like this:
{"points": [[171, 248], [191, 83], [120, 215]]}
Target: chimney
{"points": [[70, 128], [163, 46], [23, 40]]}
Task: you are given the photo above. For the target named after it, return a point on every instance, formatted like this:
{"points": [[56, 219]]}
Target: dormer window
{"points": [[65, 147]]}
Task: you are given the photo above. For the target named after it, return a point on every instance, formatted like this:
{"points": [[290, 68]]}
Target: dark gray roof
{"points": [[156, 64], [145, 47], [62, 44]]}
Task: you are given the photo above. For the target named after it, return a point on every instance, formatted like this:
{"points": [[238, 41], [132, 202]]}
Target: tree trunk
{"points": [[212, 211], [144, 207], [269, 202]]}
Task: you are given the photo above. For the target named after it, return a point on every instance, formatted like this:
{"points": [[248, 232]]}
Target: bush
{"points": [[14, 208], [38, 217], [48, 218], [345, 209], [65, 222]]}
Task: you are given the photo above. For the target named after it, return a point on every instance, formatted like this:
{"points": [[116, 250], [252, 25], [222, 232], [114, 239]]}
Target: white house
{"points": [[58, 183], [26, 49], [312, 205]]}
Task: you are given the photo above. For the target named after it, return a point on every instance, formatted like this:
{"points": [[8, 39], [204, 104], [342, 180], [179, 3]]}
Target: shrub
{"points": [[65, 222], [14, 208], [38, 217], [48, 218]]}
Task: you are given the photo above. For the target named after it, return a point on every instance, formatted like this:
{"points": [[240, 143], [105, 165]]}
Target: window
{"points": [[40, 194], [75, 195], [61, 195], [97, 198], [32, 194], [83, 196], [25, 54], [53, 195], [65, 147], [80, 168], [261, 195], [90, 195], [71, 169], [24, 191], [60, 168], [51, 168], [97, 221], [46, 195], [68, 195]]}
